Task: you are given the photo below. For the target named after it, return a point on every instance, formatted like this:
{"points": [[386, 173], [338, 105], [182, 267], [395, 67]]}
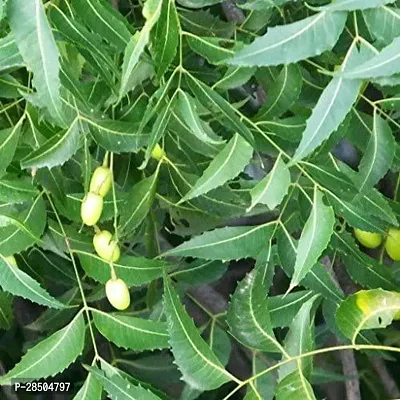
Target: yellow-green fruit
{"points": [[105, 247], [101, 181], [118, 294], [12, 261], [91, 209], [158, 153], [393, 244], [368, 239]]}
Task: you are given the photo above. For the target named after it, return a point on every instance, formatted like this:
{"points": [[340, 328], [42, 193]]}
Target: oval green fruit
{"points": [[393, 244], [118, 294], [91, 208], [105, 247], [158, 153], [101, 181], [368, 239]]}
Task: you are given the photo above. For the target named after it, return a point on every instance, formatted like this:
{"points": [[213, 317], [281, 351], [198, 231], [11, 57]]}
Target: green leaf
{"points": [[166, 37], [384, 63], [55, 151], [15, 189], [214, 50], [299, 340], [117, 136], [52, 355], [293, 42], [8, 144], [356, 214], [187, 111], [137, 43], [314, 238], [235, 77], [35, 41], [200, 272], [158, 129], [283, 92], [332, 106], [294, 386], [9, 53], [248, 316], [134, 271], [29, 226], [200, 367], [363, 269], [378, 156], [18, 283], [283, 308], [367, 309], [218, 105], [102, 20], [198, 3], [130, 332], [6, 311], [138, 204], [88, 43], [273, 188], [352, 5], [225, 166], [91, 389], [383, 23], [230, 243], [119, 388]]}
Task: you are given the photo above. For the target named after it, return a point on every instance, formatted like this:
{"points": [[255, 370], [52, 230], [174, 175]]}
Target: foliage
{"points": [[237, 145]]}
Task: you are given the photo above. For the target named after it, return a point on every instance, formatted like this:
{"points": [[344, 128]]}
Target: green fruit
{"points": [[101, 181], [12, 261], [118, 294], [105, 247], [368, 239], [393, 244], [91, 209], [158, 153]]}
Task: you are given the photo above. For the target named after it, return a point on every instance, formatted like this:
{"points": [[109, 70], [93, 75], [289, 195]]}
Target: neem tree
{"points": [[238, 157]]}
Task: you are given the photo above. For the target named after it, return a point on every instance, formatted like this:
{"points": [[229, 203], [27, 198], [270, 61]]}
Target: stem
{"points": [[85, 305]]}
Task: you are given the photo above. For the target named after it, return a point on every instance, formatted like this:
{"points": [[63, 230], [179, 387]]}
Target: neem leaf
{"points": [[51, 355], [230, 243], [367, 309], [200, 367], [293, 42], [130, 332], [225, 166], [166, 37], [314, 238], [379, 154], [34, 38], [134, 271], [55, 151], [19, 283], [137, 43], [352, 5], [273, 188], [248, 316], [119, 388]]}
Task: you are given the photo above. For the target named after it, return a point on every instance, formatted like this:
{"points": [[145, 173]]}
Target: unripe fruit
{"points": [[12, 261], [368, 239], [158, 153], [105, 247], [118, 294], [101, 181], [393, 244], [91, 209]]}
